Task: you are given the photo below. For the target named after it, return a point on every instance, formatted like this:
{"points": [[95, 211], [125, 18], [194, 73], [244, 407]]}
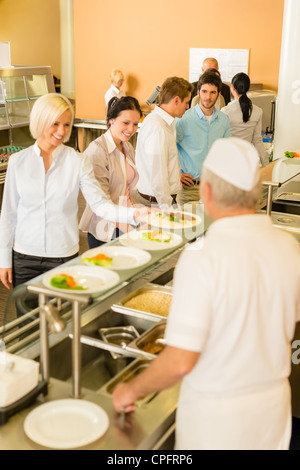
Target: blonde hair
{"points": [[116, 75], [46, 110], [227, 195]]}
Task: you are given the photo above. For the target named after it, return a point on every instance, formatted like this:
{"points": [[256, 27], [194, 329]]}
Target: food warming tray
{"points": [[120, 335], [132, 370], [154, 335]]}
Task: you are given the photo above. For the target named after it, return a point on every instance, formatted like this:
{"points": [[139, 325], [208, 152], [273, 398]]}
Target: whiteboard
{"points": [[231, 61]]}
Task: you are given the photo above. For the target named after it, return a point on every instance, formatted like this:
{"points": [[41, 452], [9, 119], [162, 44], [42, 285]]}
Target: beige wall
{"points": [[33, 29], [150, 41]]}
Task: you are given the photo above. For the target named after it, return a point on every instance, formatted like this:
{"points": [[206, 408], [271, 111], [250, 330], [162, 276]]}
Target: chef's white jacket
{"points": [[236, 302]]}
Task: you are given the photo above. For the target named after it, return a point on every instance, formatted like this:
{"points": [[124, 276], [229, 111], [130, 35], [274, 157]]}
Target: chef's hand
{"points": [[123, 398], [6, 277], [187, 180]]}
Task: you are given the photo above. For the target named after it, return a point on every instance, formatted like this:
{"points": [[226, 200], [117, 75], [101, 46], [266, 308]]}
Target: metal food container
{"points": [[119, 335], [151, 338], [148, 288], [132, 370]]}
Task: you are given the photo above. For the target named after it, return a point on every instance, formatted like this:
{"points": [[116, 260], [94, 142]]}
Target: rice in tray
{"points": [[153, 302]]}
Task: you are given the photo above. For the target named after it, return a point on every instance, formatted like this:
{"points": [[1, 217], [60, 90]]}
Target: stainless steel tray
{"points": [[132, 370], [289, 222], [121, 308], [152, 335], [288, 196]]}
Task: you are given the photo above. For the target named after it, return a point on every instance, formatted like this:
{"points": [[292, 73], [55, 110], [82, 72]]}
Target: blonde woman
{"points": [[38, 224]]}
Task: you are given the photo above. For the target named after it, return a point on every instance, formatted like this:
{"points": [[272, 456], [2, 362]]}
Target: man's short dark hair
{"points": [[210, 78]]}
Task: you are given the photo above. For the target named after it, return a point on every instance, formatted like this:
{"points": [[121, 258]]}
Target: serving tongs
{"points": [[124, 350]]}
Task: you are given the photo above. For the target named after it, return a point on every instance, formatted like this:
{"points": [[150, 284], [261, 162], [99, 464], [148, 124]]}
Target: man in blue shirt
{"points": [[196, 131]]}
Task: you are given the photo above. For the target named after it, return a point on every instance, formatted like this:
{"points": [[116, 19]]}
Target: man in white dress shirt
{"points": [[236, 300], [156, 152]]}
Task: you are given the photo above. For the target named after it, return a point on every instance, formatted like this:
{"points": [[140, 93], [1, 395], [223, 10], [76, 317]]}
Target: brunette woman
{"points": [[245, 118], [113, 159]]}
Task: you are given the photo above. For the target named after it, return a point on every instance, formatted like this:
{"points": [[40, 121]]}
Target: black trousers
{"points": [[26, 267]]}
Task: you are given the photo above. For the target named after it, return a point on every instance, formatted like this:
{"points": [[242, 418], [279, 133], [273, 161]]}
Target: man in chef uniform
{"points": [[235, 304]]}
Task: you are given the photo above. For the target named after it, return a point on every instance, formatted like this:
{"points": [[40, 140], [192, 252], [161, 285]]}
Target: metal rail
{"points": [[270, 185]]}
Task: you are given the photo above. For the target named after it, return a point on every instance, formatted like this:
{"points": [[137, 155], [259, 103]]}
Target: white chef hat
{"points": [[235, 161]]}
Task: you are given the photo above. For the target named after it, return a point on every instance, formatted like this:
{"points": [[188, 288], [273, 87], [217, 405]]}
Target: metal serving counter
{"points": [[88, 130]]}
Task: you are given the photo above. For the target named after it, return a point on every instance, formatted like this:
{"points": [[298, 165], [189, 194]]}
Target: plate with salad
{"points": [[173, 220], [116, 257], [80, 279], [151, 240]]}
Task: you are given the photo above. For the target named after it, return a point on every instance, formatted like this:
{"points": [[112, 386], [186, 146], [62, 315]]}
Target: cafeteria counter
{"points": [[151, 426]]}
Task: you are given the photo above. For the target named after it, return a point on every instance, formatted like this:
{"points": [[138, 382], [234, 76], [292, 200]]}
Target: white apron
{"points": [[254, 421]]}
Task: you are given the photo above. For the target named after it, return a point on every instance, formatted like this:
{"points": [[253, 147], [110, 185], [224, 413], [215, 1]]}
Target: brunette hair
{"points": [[241, 83], [174, 86], [211, 78], [46, 110], [213, 70], [117, 105]]}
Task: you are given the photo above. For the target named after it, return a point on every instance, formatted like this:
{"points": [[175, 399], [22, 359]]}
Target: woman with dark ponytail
{"points": [[245, 118], [113, 159]]}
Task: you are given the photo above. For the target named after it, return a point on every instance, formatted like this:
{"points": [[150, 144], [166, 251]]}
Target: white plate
{"points": [[93, 278], [155, 220], [135, 239], [66, 424], [122, 257]]}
